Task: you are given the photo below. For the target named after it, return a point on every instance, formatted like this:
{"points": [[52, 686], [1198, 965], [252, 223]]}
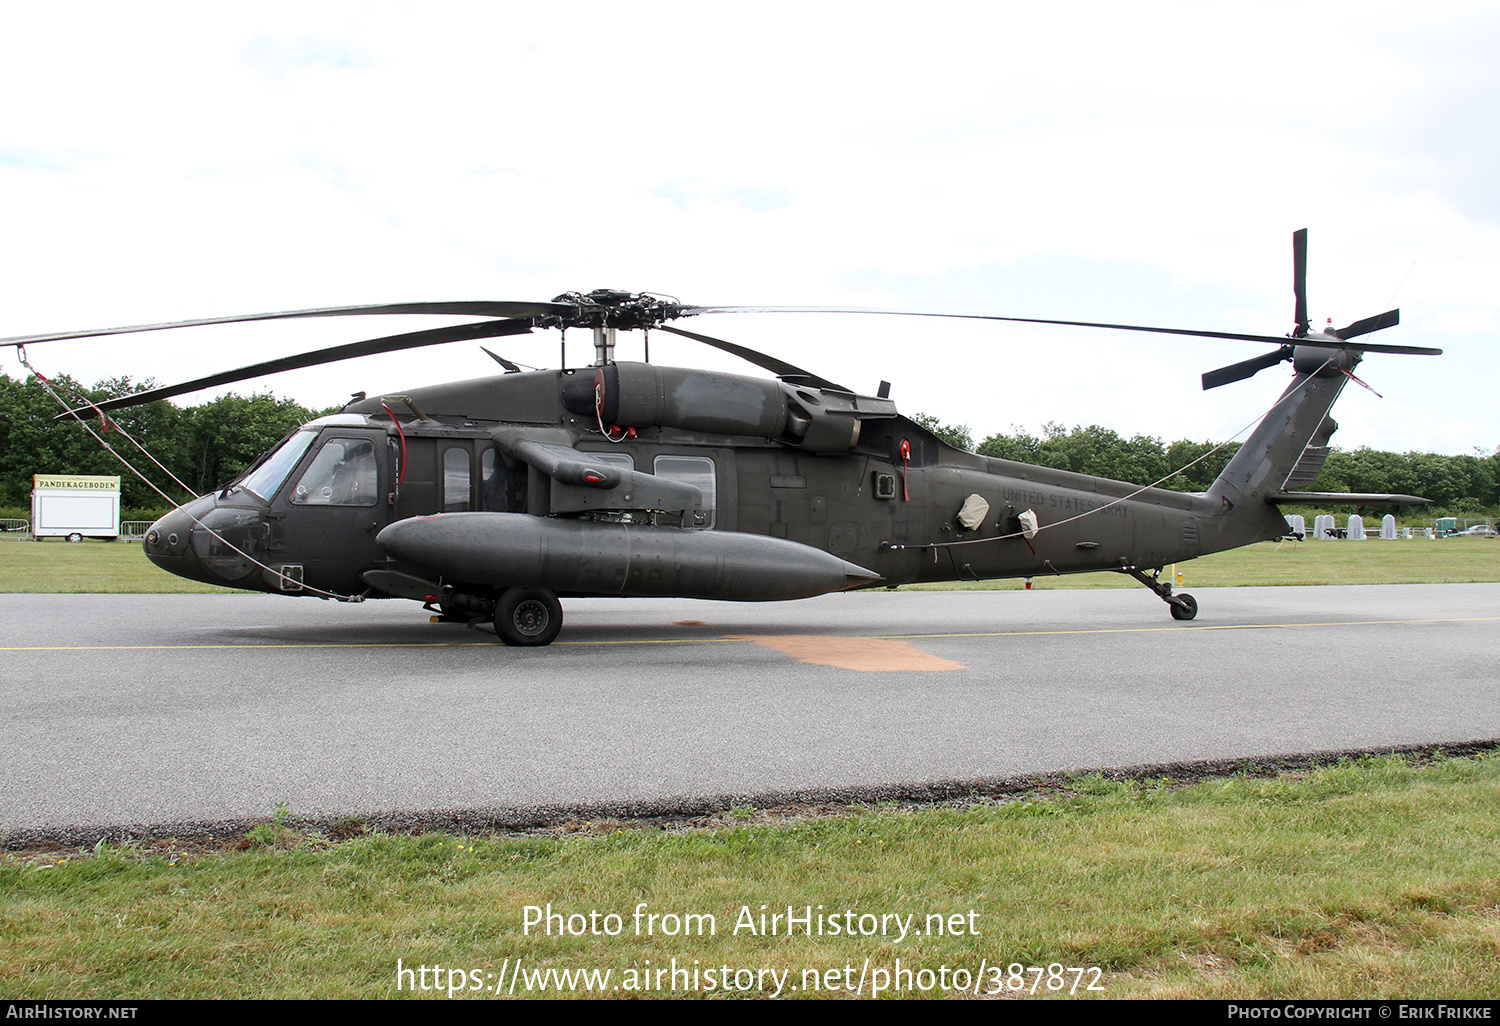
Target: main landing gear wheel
{"points": [[528, 616], [1184, 607]]}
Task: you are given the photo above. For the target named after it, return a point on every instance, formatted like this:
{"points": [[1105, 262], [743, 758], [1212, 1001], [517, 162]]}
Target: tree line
{"points": [[204, 446], [1457, 485], [210, 444]]}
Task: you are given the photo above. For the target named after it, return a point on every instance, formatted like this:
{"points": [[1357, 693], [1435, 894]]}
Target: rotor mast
{"points": [[604, 346]]}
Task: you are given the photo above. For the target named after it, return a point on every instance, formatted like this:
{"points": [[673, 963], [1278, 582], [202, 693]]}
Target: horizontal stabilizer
{"points": [[1345, 499]]}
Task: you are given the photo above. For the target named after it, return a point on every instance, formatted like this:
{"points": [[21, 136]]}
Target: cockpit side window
{"points": [[344, 473], [268, 476]]}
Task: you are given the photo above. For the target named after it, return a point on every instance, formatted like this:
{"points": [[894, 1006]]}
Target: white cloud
{"points": [[176, 161]]}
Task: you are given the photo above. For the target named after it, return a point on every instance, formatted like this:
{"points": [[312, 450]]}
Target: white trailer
{"points": [[75, 507]]}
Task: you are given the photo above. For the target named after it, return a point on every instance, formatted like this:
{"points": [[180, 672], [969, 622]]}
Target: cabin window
{"points": [[697, 471], [343, 473], [492, 481], [455, 480]]}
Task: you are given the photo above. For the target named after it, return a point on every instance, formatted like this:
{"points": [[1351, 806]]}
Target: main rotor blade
{"points": [[1245, 368], [1279, 340], [776, 366], [464, 309], [693, 310], [1388, 319], [370, 347], [1299, 279]]}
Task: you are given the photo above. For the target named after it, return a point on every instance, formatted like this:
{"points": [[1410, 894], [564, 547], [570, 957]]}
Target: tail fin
{"points": [[1270, 459], [1286, 450]]}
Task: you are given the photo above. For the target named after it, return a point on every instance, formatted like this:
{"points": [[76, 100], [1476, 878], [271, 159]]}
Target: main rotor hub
{"points": [[611, 308]]}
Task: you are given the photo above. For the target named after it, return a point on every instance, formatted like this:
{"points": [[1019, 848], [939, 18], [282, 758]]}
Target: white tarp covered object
{"points": [[973, 512]]}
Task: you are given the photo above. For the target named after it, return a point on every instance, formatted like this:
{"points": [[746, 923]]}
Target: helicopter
{"points": [[488, 500]]}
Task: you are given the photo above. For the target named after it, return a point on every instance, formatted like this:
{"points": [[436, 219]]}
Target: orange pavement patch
{"points": [[852, 653]]}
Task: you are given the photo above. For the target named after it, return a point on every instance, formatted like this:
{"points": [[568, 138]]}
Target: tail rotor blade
{"points": [[1245, 368], [1388, 319]]}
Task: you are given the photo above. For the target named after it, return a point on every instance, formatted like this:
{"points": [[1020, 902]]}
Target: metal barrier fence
{"points": [[133, 530]]}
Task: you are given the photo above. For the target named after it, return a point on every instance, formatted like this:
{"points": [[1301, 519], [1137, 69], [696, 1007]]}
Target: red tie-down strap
{"points": [[400, 477], [105, 423], [905, 459]]}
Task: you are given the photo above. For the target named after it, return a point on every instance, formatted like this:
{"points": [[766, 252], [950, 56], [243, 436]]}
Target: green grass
{"points": [[1271, 564], [1374, 879], [95, 566], [57, 566]]}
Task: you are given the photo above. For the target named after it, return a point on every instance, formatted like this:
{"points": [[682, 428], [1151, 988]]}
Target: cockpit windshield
{"points": [[273, 471]]}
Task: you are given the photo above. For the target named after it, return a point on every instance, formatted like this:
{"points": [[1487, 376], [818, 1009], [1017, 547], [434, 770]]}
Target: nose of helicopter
{"points": [[168, 542], [205, 542]]}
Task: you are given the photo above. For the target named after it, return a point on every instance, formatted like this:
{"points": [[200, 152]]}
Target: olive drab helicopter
{"points": [[487, 500]]}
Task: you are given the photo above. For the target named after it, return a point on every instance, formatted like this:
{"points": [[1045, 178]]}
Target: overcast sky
{"points": [[1145, 163]]}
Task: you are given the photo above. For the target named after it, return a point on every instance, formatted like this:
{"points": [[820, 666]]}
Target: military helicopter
{"points": [[487, 500]]}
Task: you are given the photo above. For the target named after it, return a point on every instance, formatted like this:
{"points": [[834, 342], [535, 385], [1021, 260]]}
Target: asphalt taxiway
{"points": [[163, 709]]}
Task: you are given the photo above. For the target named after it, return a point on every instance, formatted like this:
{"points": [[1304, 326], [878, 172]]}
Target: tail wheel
{"points": [[1184, 607], [528, 616]]}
